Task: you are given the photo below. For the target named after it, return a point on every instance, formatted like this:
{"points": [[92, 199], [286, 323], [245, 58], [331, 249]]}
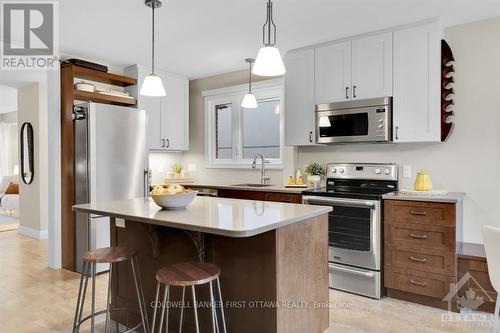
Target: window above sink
{"points": [[234, 135]]}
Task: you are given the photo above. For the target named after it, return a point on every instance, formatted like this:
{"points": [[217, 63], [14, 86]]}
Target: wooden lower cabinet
{"points": [[420, 252], [261, 196], [473, 277]]}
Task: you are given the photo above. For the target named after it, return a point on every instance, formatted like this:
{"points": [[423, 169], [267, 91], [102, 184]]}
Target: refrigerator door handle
{"points": [[147, 174]]}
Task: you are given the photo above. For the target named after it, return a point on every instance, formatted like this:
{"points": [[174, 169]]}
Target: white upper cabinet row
{"points": [[357, 69], [168, 116], [404, 63]]}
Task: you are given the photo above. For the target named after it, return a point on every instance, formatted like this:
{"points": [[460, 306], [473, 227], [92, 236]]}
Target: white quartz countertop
{"points": [[451, 197], [227, 217]]}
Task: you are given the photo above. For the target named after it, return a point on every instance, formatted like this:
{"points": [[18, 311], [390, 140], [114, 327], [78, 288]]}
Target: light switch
{"points": [[407, 171], [120, 223]]}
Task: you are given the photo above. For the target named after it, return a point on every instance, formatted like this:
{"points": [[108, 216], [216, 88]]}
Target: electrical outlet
{"points": [[407, 171]]}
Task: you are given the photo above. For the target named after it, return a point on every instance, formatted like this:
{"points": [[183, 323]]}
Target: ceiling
{"points": [[199, 38]]}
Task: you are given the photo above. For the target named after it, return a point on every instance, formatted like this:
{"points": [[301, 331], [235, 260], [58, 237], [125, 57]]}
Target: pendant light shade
{"points": [[152, 85], [249, 101], [269, 61]]}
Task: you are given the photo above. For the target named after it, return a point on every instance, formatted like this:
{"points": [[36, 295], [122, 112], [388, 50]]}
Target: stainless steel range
{"points": [[355, 224]]}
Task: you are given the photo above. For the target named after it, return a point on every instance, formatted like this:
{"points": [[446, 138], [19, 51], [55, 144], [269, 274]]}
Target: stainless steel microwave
{"points": [[368, 120]]}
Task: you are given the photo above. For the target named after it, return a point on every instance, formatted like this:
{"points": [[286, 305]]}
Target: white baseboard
{"points": [[38, 234]]}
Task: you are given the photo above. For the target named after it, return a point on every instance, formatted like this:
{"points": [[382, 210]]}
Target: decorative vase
{"points": [[315, 180], [423, 181]]}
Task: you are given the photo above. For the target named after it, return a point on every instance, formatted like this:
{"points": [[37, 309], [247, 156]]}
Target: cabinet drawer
{"points": [[480, 283], [433, 261], [419, 212], [431, 285], [420, 236]]}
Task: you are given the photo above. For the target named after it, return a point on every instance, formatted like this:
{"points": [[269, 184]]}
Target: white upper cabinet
{"points": [[176, 112], [168, 116], [372, 66], [332, 72], [417, 84], [299, 98]]}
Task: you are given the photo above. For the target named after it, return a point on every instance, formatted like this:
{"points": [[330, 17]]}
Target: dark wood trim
{"points": [[67, 169], [102, 77]]}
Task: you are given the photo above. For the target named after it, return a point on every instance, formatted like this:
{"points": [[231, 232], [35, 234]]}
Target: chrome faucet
{"points": [[263, 178]]}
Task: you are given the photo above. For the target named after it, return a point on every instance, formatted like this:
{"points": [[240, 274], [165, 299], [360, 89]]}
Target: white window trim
{"points": [[234, 94]]}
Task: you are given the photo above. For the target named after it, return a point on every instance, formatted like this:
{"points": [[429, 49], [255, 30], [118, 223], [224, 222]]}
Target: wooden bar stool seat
{"points": [[189, 274], [109, 255]]}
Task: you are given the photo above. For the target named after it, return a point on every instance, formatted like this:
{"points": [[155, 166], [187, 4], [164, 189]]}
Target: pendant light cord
{"points": [[153, 39], [250, 77]]}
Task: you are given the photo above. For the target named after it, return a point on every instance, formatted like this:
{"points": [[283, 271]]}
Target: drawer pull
{"points": [[418, 212], [418, 236], [423, 260], [418, 283]]}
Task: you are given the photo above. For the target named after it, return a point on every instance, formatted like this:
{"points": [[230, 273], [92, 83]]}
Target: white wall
{"points": [[8, 99], [32, 108], [470, 161]]}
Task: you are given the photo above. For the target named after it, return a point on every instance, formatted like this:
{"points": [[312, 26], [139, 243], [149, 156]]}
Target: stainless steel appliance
{"points": [[355, 224], [111, 163], [368, 120]]}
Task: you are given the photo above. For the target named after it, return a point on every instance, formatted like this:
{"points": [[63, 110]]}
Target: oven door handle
{"points": [[351, 271], [341, 202]]}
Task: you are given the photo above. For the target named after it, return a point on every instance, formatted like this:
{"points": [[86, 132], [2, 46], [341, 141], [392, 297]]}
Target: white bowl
{"points": [[174, 201], [84, 86]]}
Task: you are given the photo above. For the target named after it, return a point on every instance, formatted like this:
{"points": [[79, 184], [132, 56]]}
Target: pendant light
{"points": [[269, 62], [152, 85], [249, 101]]}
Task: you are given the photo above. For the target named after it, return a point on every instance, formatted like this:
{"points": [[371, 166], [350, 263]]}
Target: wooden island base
{"points": [[276, 281]]}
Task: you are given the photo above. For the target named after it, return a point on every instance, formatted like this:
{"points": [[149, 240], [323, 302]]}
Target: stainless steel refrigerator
{"points": [[111, 163]]}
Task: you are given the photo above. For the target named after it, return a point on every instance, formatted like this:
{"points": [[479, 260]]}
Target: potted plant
{"points": [[315, 172]]}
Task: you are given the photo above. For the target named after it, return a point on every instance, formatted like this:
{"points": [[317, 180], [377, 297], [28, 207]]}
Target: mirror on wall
{"points": [[27, 153]]}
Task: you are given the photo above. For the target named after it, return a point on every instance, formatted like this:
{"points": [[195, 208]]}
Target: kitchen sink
{"points": [[253, 185]]}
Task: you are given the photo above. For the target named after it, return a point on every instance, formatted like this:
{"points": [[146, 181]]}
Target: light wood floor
{"points": [[34, 298]]}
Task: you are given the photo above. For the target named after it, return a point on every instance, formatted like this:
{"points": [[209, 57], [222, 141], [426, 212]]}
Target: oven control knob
{"points": [[377, 171], [341, 170], [387, 171], [334, 170], [380, 126]]}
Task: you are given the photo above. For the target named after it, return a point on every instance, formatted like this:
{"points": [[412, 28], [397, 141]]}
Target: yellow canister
{"points": [[423, 181]]}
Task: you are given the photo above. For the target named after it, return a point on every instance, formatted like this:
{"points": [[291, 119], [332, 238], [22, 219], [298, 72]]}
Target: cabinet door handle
{"points": [[163, 143], [168, 143], [310, 136], [422, 260], [354, 91], [346, 92], [418, 283], [418, 212], [418, 236]]}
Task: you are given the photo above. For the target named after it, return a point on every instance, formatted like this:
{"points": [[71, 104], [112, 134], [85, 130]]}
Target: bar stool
{"points": [[108, 255], [188, 275]]}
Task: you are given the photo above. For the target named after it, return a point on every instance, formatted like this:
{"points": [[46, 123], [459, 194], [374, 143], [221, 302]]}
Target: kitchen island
{"points": [[273, 257]]}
